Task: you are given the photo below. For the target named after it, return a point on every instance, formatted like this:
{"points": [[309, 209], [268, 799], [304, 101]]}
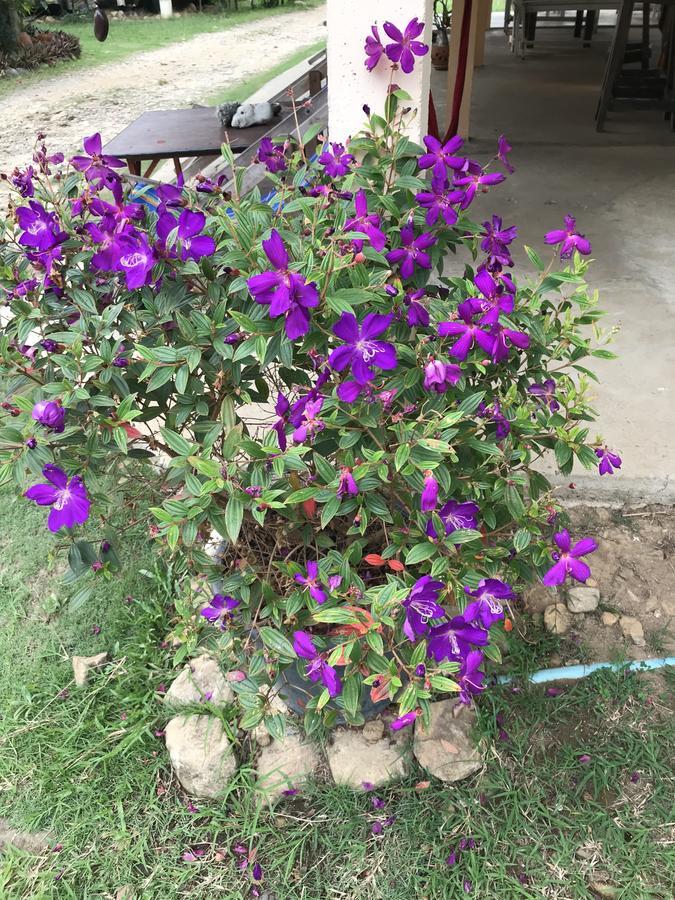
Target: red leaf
{"points": [[132, 433], [395, 565], [374, 559], [309, 507]]}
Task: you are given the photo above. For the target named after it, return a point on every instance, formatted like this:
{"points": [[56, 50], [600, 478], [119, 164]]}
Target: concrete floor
{"points": [[621, 187]]}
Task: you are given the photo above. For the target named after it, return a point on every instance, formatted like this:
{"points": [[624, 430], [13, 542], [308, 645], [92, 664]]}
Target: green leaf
{"points": [[441, 683], [324, 468], [420, 552], [335, 615], [514, 502], [329, 511], [535, 259], [521, 539], [401, 456], [351, 694], [234, 514], [276, 642], [177, 443]]}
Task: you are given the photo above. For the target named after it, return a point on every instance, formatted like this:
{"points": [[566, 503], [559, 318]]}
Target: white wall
{"points": [[350, 84]]}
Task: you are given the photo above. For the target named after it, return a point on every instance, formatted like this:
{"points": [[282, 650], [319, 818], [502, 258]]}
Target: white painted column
{"points": [[350, 84]]}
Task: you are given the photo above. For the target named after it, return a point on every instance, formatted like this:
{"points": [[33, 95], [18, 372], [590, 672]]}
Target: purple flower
{"points": [[456, 515], [360, 351], [257, 872], [311, 581], [368, 224], [429, 497], [271, 156], [503, 150], [50, 414], [421, 670], [441, 156], [347, 484], [470, 677], [439, 376], [473, 181], [310, 425], [23, 181], [136, 258], [417, 314], [495, 241], [41, 229], [373, 49], [452, 640], [494, 414], [404, 720], [487, 607], [68, 499], [493, 295], [219, 608], [97, 165], [336, 163], [317, 668], [569, 239], [608, 460], [412, 251], [281, 409], [194, 245], [568, 561], [440, 200], [31, 443], [405, 48], [287, 293], [504, 338], [420, 607], [545, 393], [469, 332]]}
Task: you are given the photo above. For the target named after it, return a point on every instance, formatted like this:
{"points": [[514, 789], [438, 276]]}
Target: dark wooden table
{"points": [[179, 134]]}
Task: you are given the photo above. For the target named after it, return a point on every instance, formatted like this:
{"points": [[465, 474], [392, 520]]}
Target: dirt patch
{"points": [[634, 570], [107, 98]]}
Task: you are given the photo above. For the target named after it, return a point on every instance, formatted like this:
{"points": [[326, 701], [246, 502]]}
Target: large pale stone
{"points": [[285, 764], [632, 628], [28, 841], [200, 680], [82, 665], [201, 754], [446, 749], [609, 618], [557, 619], [353, 758], [583, 599]]}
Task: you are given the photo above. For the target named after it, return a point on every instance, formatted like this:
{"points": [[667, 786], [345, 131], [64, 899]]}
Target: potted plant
{"points": [[440, 46], [347, 388]]}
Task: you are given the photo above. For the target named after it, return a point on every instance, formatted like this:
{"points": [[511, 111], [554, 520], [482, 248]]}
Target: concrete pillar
{"points": [[484, 17], [350, 84], [458, 9]]}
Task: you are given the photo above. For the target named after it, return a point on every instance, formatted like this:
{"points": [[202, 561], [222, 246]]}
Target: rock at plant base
{"points": [[538, 597], [353, 759], [583, 599], [602, 889], [82, 665], [284, 765], [201, 754], [446, 749], [632, 628], [373, 730], [609, 619], [557, 619], [201, 680], [28, 841]]}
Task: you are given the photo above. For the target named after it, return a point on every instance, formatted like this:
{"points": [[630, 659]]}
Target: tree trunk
{"points": [[10, 25]]}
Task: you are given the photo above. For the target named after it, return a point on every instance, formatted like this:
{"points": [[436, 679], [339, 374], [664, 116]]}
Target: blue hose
{"points": [[573, 672]]}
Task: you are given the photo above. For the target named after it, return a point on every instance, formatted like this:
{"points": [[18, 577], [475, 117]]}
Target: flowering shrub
{"points": [[346, 385]]}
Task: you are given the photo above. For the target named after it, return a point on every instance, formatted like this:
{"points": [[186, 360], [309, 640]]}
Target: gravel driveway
{"points": [[107, 98]]}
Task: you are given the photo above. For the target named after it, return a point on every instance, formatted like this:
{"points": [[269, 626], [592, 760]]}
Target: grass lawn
{"points": [[87, 765], [137, 34]]}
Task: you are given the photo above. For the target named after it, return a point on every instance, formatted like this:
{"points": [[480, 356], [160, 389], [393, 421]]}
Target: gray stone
{"points": [[557, 619], [609, 619], [354, 759], [632, 628], [583, 599], [200, 681], [446, 749], [82, 665], [201, 754], [373, 730], [28, 841], [285, 764], [262, 736]]}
